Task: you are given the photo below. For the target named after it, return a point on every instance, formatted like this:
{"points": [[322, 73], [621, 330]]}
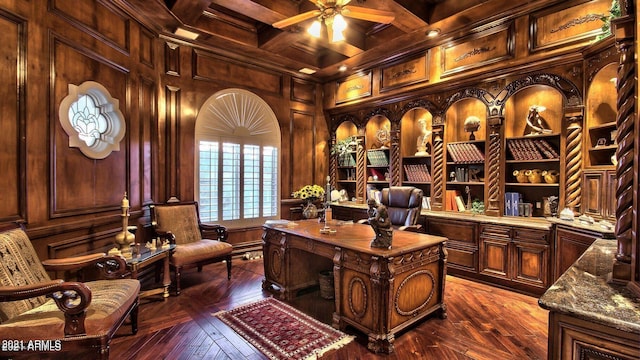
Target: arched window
{"points": [[237, 160]]}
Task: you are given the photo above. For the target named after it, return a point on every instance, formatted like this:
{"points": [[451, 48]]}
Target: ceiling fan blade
{"points": [[362, 13], [296, 19]]}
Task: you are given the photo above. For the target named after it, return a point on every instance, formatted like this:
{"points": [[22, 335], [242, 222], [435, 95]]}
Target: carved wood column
{"points": [[361, 169], [437, 170], [333, 162], [627, 152], [573, 159], [394, 155], [492, 182]]}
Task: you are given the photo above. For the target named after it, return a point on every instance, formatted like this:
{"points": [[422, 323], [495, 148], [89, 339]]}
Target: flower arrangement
{"points": [[309, 192]]}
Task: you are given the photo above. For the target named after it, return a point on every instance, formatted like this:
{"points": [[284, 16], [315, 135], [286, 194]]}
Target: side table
{"points": [[151, 257]]}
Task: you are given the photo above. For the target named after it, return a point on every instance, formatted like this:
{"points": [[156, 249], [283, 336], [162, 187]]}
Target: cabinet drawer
{"points": [[462, 231], [462, 257], [495, 231], [524, 234]]}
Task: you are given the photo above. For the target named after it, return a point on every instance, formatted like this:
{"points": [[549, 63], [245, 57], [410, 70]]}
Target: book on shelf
{"points": [[346, 159], [377, 158], [465, 153], [417, 172], [450, 200], [531, 149], [511, 203], [426, 202], [377, 175], [460, 203]]}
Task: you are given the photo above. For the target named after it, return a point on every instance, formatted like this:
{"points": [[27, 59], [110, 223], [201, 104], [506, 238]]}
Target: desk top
{"points": [[358, 237]]}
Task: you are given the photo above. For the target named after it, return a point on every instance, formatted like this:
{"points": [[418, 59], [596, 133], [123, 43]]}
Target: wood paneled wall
{"points": [[71, 203]]}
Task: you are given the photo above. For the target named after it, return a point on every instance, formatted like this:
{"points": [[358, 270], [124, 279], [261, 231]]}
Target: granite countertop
{"points": [[595, 227], [529, 222], [583, 291]]}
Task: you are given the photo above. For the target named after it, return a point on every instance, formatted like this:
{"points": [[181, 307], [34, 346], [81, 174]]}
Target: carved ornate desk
{"points": [[378, 291], [152, 257]]}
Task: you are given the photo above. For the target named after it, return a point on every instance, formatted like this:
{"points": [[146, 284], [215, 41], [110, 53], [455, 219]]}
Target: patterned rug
{"points": [[282, 332]]}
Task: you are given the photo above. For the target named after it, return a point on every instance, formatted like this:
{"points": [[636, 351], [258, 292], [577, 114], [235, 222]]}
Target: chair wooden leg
{"points": [[178, 280], [228, 267], [134, 319]]}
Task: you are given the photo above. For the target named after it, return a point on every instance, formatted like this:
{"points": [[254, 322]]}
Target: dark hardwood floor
{"points": [[483, 322]]}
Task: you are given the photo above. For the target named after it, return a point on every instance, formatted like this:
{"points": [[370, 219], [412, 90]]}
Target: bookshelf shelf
{"points": [[532, 161], [606, 148], [472, 183], [532, 185]]}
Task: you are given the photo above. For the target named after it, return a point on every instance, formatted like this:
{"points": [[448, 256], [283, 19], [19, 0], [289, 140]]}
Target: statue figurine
{"points": [[536, 124], [423, 139], [381, 225]]}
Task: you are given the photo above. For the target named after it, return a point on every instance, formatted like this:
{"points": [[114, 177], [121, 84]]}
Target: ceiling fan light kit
{"points": [[331, 14]]}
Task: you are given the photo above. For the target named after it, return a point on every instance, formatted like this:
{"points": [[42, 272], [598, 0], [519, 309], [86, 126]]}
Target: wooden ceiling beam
{"points": [[264, 11], [189, 11]]}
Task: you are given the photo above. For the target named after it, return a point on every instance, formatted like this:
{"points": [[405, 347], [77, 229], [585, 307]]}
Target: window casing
{"points": [[237, 160]]}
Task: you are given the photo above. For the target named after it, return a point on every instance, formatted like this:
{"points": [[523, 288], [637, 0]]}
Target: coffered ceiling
{"points": [[243, 29]]}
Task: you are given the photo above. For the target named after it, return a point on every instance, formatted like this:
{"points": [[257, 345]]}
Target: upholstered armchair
{"points": [[197, 244], [54, 316], [403, 205]]}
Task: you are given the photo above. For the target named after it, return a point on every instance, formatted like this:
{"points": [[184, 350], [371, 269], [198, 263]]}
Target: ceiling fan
{"points": [[331, 12]]}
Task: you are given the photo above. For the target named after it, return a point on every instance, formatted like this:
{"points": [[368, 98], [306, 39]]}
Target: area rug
{"points": [[280, 331]]}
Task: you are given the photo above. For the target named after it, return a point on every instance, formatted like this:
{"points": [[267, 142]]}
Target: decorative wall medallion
{"points": [[92, 120]]}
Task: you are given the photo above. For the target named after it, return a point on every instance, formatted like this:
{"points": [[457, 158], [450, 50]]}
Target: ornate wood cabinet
{"points": [[516, 257]]}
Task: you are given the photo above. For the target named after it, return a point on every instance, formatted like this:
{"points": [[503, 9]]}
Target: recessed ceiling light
{"points": [[433, 32], [186, 33], [342, 68], [307, 71]]}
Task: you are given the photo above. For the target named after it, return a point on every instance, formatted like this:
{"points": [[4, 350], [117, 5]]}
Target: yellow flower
{"points": [[309, 192]]}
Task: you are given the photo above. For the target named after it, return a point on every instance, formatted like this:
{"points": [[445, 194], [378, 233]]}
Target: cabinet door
{"points": [[531, 263], [494, 257], [610, 198], [593, 193], [570, 245]]}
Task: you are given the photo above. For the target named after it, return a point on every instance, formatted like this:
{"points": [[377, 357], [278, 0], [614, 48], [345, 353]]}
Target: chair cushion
{"points": [[19, 266], [181, 220], [110, 300], [199, 251]]}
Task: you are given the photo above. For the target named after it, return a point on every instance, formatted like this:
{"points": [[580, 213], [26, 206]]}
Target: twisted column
{"points": [[573, 156], [333, 164], [494, 195], [361, 170], [625, 122], [437, 168], [394, 158]]}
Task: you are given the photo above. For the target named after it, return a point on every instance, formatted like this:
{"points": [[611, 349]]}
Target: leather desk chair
{"points": [[403, 205]]}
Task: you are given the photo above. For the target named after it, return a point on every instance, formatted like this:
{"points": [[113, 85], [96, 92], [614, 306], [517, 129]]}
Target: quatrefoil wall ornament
{"points": [[92, 120]]}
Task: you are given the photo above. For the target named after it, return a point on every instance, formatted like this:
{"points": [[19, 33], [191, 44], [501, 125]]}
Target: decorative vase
{"points": [[550, 176], [521, 176], [309, 210], [534, 176]]}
